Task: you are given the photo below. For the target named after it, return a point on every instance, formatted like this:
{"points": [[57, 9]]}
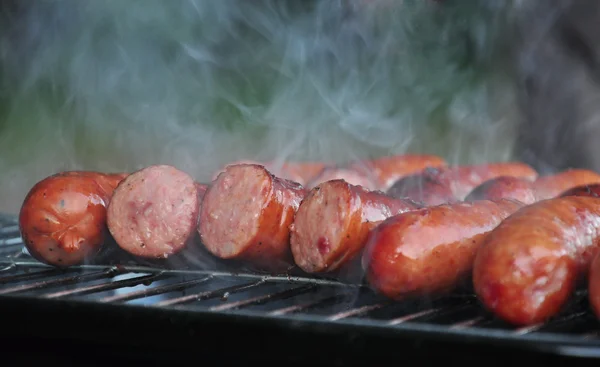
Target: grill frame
{"points": [[54, 318]]}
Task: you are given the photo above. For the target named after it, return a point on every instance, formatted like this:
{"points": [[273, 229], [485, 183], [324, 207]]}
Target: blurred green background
{"points": [[118, 85]]}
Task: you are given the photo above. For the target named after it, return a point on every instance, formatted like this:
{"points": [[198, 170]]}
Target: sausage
{"points": [[201, 189], [504, 187], [553, 185], [333, 221], [301, 172], [463, 179], [390, 169], [594, 285], [431, 250], [592, 190], [245, 215], [422, 188], [63, 217], [349, 175], [154, 212], [528, 267]]}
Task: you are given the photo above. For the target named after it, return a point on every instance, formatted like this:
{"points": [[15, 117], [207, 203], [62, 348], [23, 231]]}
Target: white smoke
{"points": [[117, 85]]}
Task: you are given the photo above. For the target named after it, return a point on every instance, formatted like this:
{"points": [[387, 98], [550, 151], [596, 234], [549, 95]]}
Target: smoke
{"points": [[117, 85]]}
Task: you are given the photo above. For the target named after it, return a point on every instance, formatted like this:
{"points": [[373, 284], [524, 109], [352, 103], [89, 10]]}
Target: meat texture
{"points": [[246, 214], [154, 212]]}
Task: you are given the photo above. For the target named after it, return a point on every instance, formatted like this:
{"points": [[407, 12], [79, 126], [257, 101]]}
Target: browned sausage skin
{"points": [[154, 212], [424, 189], [463, 179], [333, 221], [504, 187], [63, 217], [349, 175], [528, 266], [245, 215], [300, 172], [594, 285], [390, 169], [431, 250], [553, 185], [585, 190]]}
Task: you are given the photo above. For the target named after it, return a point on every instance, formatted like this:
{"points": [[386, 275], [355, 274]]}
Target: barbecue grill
{"points": [[105, 313]]}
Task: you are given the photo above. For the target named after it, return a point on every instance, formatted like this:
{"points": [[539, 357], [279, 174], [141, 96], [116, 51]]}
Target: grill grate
{"points": [[295, 298]]}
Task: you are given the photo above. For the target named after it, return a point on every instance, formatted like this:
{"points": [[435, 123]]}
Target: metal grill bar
{"points": [[61, 281], [307, 305], [358, 311], [27, 276], [105, 286], [265, 298], [156, 291], [223, 292]]}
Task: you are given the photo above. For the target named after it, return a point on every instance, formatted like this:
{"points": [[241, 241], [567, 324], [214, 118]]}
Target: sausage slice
{"points": [[246, 213], [154, 212], [333, 222]]}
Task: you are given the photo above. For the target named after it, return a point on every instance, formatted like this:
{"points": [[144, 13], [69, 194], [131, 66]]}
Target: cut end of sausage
{"points": [[154, 212], [322, 225], [351, 176], [232, 207]]}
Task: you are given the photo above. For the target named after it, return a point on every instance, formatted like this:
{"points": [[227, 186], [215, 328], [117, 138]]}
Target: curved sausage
{"points": [[463, 179], [594, 285], [63, 218], [585, 190], [390, 169], [431, 250], [528, 267], [333, 221], [504, 187], [553, 185], [154, 212], [424, 189], [246, 214], [349, 175]]}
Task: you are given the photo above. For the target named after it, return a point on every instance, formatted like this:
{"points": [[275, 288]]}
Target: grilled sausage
{"points": [[63, 217], [528, 267], [154, 212], [349, 175], [422, 188], [463, 179], [504, 187], [201, 189], [584, 190], [333, 221], [594, 285], [246, 214], [431, 250], [388, 170], [553, 185], [300, 172]]}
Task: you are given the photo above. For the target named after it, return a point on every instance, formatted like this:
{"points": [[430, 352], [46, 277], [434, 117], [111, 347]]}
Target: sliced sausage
{"points": [[246, 213], [349, 175], [333, 221], [594, 285], [528, 266], [390, 169], [422, 188], [154, 212], [63, 218], [585, 190], [553, 185], [504, 187], [431, 250]]}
